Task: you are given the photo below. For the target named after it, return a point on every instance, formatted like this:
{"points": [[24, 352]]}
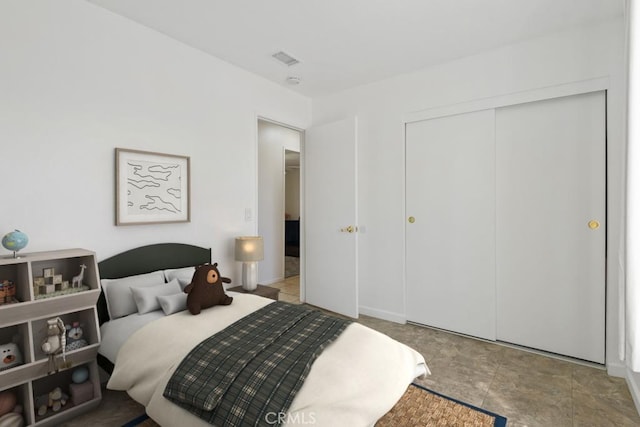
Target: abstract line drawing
{"points": [[151, 187]]}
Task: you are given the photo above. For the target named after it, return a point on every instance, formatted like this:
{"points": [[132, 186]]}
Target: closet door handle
{"points": [[593, 224]]}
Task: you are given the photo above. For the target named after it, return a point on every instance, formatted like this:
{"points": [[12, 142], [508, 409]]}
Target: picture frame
{"points": [[152, 188]]}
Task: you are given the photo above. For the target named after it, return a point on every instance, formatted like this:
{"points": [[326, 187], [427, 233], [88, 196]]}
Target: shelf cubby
{"points": [[22, 395], [44, 385], [18, 274], [88, 322], [18, 335]]}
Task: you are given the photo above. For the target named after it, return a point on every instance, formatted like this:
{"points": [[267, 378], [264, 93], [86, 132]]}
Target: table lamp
{"points": [[249, 250]]}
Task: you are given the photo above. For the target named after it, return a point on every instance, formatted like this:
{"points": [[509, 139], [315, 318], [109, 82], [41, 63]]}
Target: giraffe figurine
{"points": [[77, 280]]}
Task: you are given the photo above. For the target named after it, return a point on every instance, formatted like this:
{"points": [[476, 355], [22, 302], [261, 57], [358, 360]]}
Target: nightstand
{"points": [[263, 291]]}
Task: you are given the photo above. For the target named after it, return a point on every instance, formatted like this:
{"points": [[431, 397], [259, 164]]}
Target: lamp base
{"points": [[249, 276]]}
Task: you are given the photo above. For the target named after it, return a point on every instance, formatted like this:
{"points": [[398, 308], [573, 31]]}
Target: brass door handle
{"points": [[411, 220], [593, 224], [349, 229]]}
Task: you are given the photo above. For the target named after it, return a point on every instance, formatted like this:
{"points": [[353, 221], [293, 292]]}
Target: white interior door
{"points": [[450, 191], [331, 279], [551, 264]]}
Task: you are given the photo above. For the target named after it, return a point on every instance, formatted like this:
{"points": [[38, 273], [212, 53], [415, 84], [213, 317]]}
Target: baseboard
{"points": [[382, 314], [617, 370], [633, 380]]}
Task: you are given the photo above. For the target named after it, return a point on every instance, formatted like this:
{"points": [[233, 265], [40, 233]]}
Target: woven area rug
{"points": [[418, 407], [141, 421], [422, 407]]}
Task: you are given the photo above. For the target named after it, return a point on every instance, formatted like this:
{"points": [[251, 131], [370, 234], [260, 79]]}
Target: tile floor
{"points": [[529, 389], [289, 289]]}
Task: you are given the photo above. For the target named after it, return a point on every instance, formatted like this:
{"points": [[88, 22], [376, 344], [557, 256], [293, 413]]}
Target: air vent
{"points": [[285, 58], [293, 80]]}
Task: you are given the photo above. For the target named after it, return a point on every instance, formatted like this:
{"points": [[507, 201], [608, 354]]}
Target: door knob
{"points": [[593, 224], [349, 229], [412, 219]]}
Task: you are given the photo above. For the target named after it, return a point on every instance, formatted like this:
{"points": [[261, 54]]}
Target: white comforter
{"points": [[355, 381]]}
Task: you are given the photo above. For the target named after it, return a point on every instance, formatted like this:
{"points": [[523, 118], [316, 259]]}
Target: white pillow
{"points": [[117, 292], [146, 297], [182, 274], [183, 283], [173, 303]]}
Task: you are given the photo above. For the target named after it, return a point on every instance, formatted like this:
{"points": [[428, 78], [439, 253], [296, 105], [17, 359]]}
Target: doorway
{"points": [[291, 213], [279, 157]]}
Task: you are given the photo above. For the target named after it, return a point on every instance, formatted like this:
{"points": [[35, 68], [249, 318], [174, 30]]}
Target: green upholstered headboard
{"points": [[146, 259]]}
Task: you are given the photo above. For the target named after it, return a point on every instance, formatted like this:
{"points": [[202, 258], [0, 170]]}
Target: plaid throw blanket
{"points": [[253, 367]]}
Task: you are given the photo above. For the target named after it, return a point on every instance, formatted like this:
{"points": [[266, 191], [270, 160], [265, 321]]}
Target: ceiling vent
{"points": [[285, 58], [293, 80]]}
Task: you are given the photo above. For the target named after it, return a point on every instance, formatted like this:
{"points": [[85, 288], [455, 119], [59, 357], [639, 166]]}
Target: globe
{"points": [[14, 241]]}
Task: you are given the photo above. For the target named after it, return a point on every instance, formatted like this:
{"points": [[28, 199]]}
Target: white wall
{"points": [[576, 55], [632, 26], [292, 193], [273, 139], [76, 81]]}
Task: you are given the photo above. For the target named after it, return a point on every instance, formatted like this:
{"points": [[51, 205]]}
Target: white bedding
{"points": [[115, 333], [355, 381]]}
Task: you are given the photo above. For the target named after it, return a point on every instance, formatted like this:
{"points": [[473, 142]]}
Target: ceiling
{"points": [[346, 43]]}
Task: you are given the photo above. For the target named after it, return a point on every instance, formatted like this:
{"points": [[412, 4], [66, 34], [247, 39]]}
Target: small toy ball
{"points": [[80, 375], [8, 401]]}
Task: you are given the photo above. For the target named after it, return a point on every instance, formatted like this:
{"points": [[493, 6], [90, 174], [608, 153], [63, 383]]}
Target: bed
{"points": [[354, 381]]}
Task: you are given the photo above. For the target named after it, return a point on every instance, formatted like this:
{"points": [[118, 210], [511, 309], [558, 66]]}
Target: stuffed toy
{"points": [[74, 336], [55, 342], [206, 289], [10, 356], [10, 410], [56, 399], [8, 401]]}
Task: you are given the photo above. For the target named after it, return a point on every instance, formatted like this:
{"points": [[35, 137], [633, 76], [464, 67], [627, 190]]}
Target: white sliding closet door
{"points": [[551, 226], [450, 245]]}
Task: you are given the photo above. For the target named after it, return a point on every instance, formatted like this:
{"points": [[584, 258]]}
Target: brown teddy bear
{"points": [[206, 289]]}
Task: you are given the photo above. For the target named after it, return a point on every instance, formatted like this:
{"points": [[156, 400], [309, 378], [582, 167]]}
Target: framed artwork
{"points": [[151, 188]]}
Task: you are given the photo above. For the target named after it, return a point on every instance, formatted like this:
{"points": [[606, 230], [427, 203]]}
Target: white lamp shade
{"points": [[249, 249]]}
